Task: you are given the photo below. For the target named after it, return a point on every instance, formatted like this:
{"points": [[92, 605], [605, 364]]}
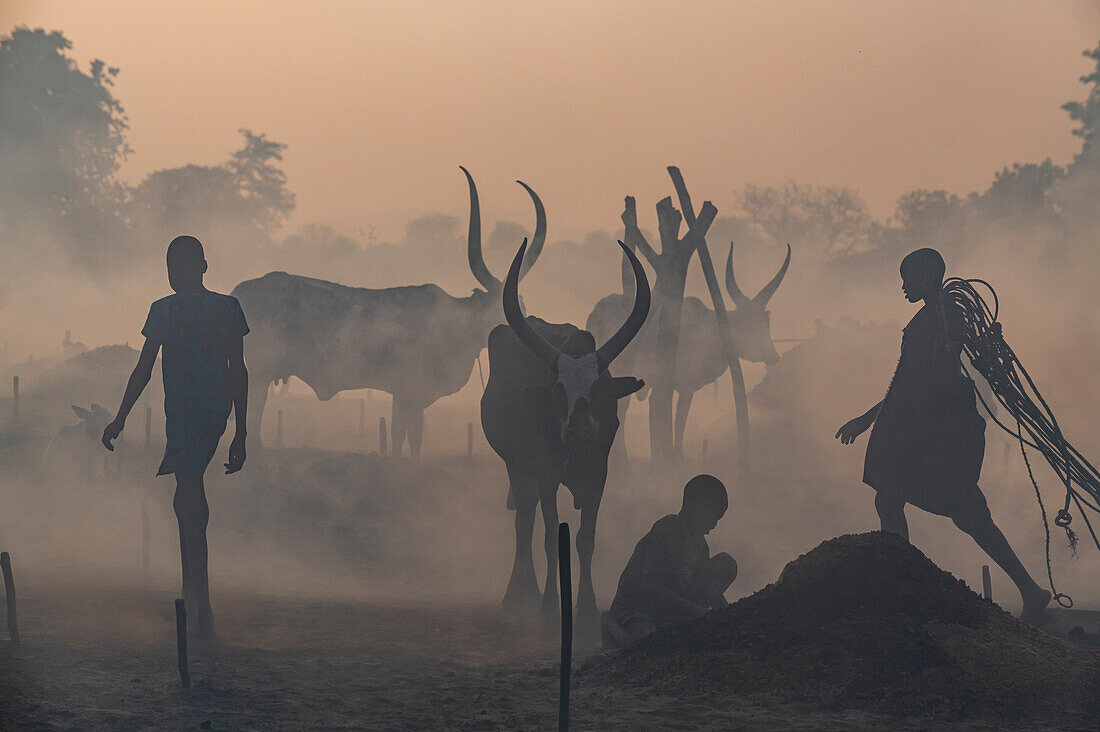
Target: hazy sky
{"points": [[587, 102]]}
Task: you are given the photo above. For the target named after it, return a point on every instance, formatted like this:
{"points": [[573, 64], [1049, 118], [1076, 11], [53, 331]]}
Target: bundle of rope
{"points": [[1036, 425]]}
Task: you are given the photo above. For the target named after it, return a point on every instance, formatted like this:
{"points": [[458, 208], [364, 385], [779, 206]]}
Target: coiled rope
{"points": [[991, 356]]}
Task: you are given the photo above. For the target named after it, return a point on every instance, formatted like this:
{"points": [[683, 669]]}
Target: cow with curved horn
{"points": [[700, 359], [549, 411], [417, 343]]}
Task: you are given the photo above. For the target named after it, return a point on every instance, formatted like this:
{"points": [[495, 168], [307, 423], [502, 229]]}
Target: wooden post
{"points": [[987, 583], [9, 592], [279, 429], [15, 396], [148, 426], [362, 420], [704, 458], [181, 643], [566, 585], [382, 436], [144, 539], [469, 439]]}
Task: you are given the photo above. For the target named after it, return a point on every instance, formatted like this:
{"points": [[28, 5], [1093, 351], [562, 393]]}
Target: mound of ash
{"points": [[866, 622]]}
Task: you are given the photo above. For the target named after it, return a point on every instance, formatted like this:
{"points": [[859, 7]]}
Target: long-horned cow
{"points": [[549, 411], [700, 360], [417, 343]]}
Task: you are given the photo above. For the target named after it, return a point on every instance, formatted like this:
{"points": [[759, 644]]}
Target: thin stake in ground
{"points": [[181, 643], [9, 591], [566, 625]]}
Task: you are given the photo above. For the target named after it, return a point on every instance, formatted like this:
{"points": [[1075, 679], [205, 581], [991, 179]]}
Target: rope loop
{"points": [[1064, 600], [1063, 519]]}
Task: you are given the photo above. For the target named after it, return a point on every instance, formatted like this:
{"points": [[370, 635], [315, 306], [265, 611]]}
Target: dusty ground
{"points": [[95, 658], [359, 531], [866, 621]]}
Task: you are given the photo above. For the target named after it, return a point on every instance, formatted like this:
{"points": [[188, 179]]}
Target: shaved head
{"points": [[185, 249], [926, 261], [706, 490], [186, 264]]}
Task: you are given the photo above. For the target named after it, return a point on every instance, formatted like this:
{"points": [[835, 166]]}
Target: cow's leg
{"points": [[398, 425], [548, 499], [523, 587], [193, 514], [683, 406], [588, 615], [258, 388], [415, 425]]}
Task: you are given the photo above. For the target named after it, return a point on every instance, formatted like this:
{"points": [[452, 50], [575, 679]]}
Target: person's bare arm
{"points": [[238, 391], [138, 379], [856, 427]]}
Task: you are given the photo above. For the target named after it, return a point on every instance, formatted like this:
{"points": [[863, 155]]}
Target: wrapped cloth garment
{"points": [[928, 440]]}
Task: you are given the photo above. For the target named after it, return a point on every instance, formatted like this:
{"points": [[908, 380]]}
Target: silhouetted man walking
{"points": [[202, 337], [928, 440]]}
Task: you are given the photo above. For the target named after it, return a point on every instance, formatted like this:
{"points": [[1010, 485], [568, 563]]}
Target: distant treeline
{"points": [[63, 136]]}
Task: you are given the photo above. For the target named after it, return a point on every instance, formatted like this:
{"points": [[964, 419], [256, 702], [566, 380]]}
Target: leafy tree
{"points": [[1021, 195], [828, 220], [1078, 193], [1087, 113], [243, 199], [62, 139], [923, 211], [262, 184]]}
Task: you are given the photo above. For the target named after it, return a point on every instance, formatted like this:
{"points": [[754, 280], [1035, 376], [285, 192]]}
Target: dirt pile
{"points": [[867, 622]]}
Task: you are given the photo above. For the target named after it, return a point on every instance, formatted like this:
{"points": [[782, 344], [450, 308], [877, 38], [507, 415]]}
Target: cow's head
{"points": [[583, 394], [487, 300], [750, 321], [94, 421]]}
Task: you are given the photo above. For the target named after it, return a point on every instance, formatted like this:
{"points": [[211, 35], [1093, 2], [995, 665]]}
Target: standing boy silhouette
{"points": [[202, 337], [928, 440]]}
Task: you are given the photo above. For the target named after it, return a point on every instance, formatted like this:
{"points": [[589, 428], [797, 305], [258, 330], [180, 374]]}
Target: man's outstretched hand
{"points": [[853, 429], [236, 454], [111, 433]]}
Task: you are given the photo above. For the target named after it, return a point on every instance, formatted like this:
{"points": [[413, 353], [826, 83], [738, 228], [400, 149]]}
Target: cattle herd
{"points": [[551, 407]]}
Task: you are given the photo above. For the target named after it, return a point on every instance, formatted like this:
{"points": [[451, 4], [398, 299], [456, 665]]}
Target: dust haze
{"points": [[84, 250]]}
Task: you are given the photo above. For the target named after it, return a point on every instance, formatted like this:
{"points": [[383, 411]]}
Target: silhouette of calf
{"points": [[74, 452]]}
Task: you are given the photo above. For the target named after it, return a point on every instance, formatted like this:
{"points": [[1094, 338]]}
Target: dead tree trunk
{"points": [[737, 377], [670, 267]]}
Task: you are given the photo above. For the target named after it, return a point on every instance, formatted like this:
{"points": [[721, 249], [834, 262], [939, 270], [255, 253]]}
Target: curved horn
{"points": [[512, 313], [540, 232], [616, 343], [769, 289], [734, 291], [473, 248]]}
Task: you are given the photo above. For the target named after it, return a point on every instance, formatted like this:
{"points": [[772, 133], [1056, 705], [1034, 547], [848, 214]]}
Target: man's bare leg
{"points": [[891, 514], [193, 514], [978, 523]]}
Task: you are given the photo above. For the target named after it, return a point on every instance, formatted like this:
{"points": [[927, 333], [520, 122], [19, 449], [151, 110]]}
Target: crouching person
{"points": [[671, 576]]}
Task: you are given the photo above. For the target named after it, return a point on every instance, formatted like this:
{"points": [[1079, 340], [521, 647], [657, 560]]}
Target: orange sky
{"points": [[380, 102]]}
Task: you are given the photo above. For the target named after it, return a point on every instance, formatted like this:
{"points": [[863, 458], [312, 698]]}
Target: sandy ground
{"points": [[104, 658]]}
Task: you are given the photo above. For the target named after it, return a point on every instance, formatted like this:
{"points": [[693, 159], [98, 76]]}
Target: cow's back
{"points": [[336, 337]]}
